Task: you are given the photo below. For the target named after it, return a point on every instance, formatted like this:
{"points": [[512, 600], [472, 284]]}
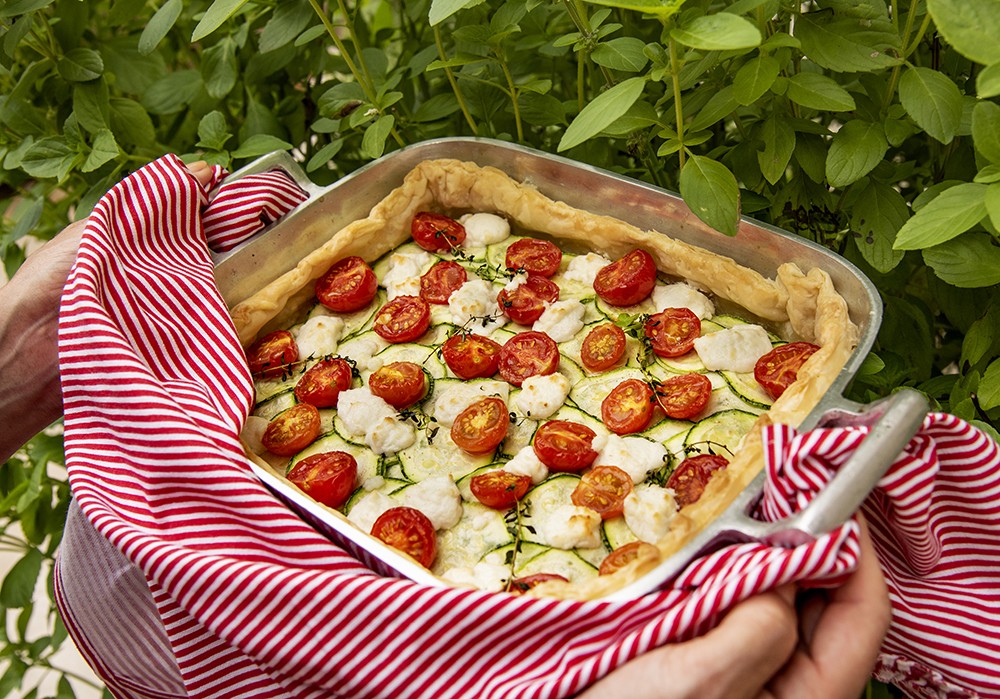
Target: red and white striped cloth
{"points": [[256, 603]]}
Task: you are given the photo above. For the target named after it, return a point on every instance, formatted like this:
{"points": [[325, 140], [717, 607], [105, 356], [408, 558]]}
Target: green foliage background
{"points": [[870, 127]]}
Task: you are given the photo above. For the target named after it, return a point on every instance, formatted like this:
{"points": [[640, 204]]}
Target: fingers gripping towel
{"points": [[256, 603]]}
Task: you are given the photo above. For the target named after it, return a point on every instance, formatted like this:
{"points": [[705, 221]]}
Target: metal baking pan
{"points": [[277, 249]]}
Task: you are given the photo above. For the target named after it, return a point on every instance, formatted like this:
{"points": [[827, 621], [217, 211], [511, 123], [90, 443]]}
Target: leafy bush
{"points": [[872, 129]]}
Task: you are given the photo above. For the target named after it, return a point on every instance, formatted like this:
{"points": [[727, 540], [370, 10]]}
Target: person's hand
{"points": [[767, 649]]}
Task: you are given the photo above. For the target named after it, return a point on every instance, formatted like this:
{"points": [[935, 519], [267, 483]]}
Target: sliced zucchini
{"points": [[361, 321], [568, 564], [590, 392], [505, 554], [724, 429], [541, 500], [616, 533], [432, 456], [423, 355], [388, 487], [480, 531], [277, 403], [747, 388]]}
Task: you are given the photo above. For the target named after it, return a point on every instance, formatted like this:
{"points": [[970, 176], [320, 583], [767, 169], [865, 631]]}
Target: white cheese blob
{"points": [[319, 336], [390, 435], [369, 508], [733, 349], [561, 320], [683, 295], [541, 396], [490, 577], [459, 396], [584, 268], [363, 350], [405, 268], [474, 305], [636, 456], [365, 414], [438, 498], [484, 229], [526, 463], [648, 512], [519, 279], [568, 527]]}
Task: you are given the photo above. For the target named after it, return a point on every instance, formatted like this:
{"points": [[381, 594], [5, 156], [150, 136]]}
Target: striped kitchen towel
{"points": [[256, 603]]}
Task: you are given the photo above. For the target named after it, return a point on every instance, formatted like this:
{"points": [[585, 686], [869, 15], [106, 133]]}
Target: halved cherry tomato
{"points": [[322, 383], [672, 331], [400, 384], [628, 280], [563, 445], [271, 355], [403, 319], [408, 530], [603, 489], [777, 369], [441, 281], [683, 396], [349, 285], [624, 555], [499, 489], [327, 478], [603, 347], [534, 256], [525, 304], [528, 354], [482, 426], [629, 407], [689, 479], [518, 586], [471, 356], [292, 431], [436, 232]]}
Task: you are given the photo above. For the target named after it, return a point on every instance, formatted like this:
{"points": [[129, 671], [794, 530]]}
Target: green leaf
{"points": [[988, 82], [104, 150], [133, 72], [719, 32], [217, 13], [711, 190], [755, 78], [719, 105], [779, 144], [624, 53], [18, 30], [988, 175], [992, 203], [437, 107], [877, 214], [989, 387], [970, 261], [933, 101], [443, 9], [81, 65], [91, 105], [219, 68], [969, 26], [601, 112], [373, 142], [981, 337], [288, 21], [159, 25], [953, 211], [260, 144], [846, 45], [819, 92], [660, 8], [324, 155], [173, 92], [131, 123], [19, 585], [20, 7], [213, 132], [854, 152], [49, 157], [986, 130]]}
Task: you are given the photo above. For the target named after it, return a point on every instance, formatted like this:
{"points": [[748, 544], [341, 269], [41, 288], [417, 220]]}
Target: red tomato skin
{"points": [[403, 319], [327, 478], [271, 355], [436, 232], [525, 304], [441, 281], [481, 427], [527, 354], [471, 356], [628, 408], [672, 332], [518, 586], [499, 489], [603, 489], [564, 446], [623, 555], [776, 370], [689, 479], [349, 285], [400, 384], [408, 530], [323, 381], [534, 256], [290, 432], [603, 347], [684, 396], [628, 280]]}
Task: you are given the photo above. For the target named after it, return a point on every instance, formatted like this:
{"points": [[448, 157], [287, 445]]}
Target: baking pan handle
{"points": [[279, 160]]}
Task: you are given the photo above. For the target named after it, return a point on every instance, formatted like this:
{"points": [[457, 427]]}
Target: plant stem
{"points": [[907, 47], [454, 83], [513, 96], [675, 74]]}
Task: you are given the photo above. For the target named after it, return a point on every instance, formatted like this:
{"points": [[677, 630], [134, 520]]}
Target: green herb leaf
{"points": [[877, 214], [288, 21], [779, 144], [969, 26], [443, 9], [986, 130], [755, 78], [260, 144], [719, 32], [373, 143], [846, 45], [213, 132], [953, 211], [19, 585], [988, 82], [625, 53], [219, 68], [81, 65], [600, 113], [989, 387], [855, 151], [20, 7], [819, 92], [982, 337], [104, 150], [969, 261], [933, 101], [712, 192], [217, 13], [159, 25], [172, 93], [660, 8]]}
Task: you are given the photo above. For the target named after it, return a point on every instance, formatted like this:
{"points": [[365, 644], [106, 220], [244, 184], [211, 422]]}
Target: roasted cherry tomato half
{"points": [[603, 489], [471, 356], [272, 355], [534, 256], [403, 319], [563, 445], [436, 232], [629, 407], [518, 586], [323, 381], [683, 396], [777, 369], [441, 281], [628, 280], [526, 303], [689, 479], [672, 332], [400, 384], [349, 285], [624, 555], [292, 431], [499, 489], [327, 478], [408, 530], [528, 354], [603, 347], [482, 426]]}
